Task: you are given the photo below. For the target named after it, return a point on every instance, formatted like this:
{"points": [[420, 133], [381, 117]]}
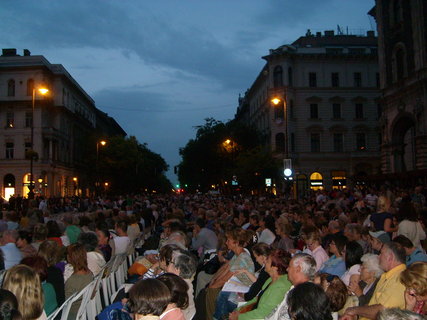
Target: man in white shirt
{"points": [[121, 241]]}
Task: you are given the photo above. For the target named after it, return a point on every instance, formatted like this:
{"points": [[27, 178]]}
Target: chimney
{"points": [[9, 52], [370, 33], [27, 53], [318, 34]]}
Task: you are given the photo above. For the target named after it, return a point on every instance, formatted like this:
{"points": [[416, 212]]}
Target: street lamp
{"points": [[279, 103], [101, 143], [42, 91]]}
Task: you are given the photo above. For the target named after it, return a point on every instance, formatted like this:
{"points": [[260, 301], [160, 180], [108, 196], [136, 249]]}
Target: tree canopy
{"points": [[223, 151]]}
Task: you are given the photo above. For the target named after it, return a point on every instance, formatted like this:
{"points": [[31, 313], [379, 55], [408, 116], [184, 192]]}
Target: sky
{"points": [[159, 68]]}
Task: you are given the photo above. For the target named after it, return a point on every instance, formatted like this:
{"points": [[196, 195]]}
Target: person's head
{"points": [[370, 268], [399, 314], [199, 224], [40, 232], [25, 284], [312, 238], [302, 267], [237, 238], [405, 243], [254, 219], [50, 251], [261, 252], [77, 257], [8, 306], [89, 240], [267, 222], [353, 253], [414, 278], [377, 239], [392, 254], [103, 236], [278, 262], [335, 289], [353, 231], [283, 228], [165, 255], [38, 264], [149, 297], [121, 227], [334, 226], [10, 236], [308, 301], [24, 239], [337, 244], [183, 264], [383, 204], [53, 230], [178, 289]]}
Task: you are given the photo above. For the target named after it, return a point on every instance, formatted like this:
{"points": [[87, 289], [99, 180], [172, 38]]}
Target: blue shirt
{"points": [[417, 256], [12, 255], [334, 265]]}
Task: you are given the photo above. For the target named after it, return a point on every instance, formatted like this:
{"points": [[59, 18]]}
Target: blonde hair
{"points": [[415, 277], [25, 284]]}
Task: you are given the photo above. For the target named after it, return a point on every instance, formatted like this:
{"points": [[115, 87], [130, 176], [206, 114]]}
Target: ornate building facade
{"points": [[402, 48], [327, 122], [64, 127]]}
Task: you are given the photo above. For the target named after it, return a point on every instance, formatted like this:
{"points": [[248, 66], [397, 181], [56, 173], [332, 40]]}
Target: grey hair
{"points": [[398, 314], [372, 263], [307, 264], [185, 262]]}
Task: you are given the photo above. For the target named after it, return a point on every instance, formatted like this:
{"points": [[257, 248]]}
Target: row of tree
{"points": [[124, 165], [226, 156]]}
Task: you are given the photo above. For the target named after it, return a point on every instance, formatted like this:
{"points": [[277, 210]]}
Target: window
{"points": [[338, 142], [379, 111], [28, 119], [9, 150], [357, 79], [359, 111], [27, 147], [10, 120], [30, 87], [278, 77], [291, 109], [315, 142], [314, 111], [336, 111], [377, 78], [280, 142], [292, 142], [335, 79], [279, 112], [361, 141], [312, 79], [290, 77], [11, 88]]}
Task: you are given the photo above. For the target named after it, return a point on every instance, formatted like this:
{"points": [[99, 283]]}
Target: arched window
{"points": [[30, 87], [278, 77], [280, 142], [11, 88]]}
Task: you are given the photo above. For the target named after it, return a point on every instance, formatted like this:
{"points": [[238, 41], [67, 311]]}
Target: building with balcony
{"points": [[402, 49], [327, 119], [65, 124]]}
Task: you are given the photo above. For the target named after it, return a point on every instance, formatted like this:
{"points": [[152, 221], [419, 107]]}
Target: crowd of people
{"points": [[343, 254]]}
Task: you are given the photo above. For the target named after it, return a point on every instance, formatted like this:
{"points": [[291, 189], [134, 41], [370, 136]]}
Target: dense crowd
{"points": [[340, 254]]}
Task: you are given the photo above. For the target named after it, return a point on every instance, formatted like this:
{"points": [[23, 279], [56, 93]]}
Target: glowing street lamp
{"points": [[42, 91]]}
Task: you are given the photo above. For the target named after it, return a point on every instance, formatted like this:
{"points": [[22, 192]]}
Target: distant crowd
{"points": [[340, 254]]}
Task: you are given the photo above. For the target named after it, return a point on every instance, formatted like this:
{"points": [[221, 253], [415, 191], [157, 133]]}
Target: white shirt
{"points": [[121, 244], [266, 236]]}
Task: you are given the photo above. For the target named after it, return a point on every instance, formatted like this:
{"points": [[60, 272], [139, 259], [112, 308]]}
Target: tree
{"points": [[220, 151]]}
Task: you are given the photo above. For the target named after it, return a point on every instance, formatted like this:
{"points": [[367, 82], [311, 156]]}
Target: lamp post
{"points": [[279, 103], [42, 91], [101, 143]]}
